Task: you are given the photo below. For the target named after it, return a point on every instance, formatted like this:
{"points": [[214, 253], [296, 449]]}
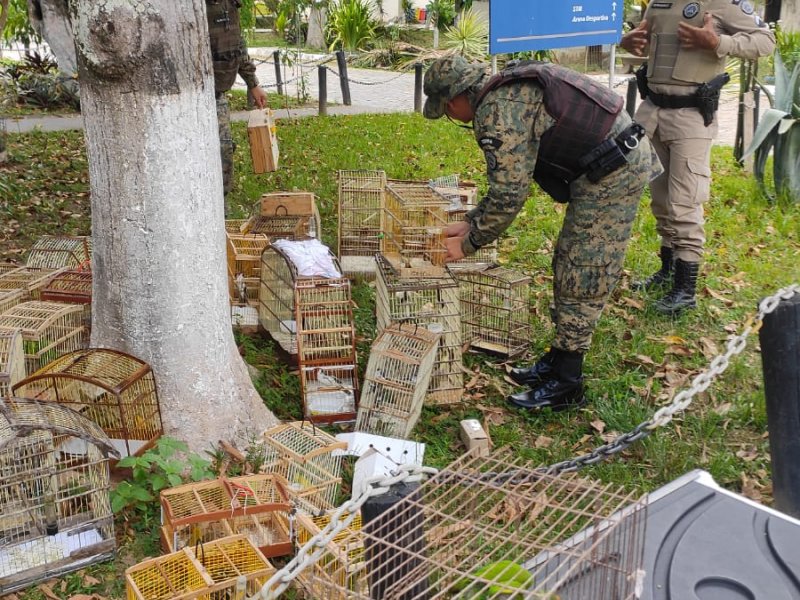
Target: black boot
{"points": [[541, 370], [660, 278], [681, 296], [562, 389]]}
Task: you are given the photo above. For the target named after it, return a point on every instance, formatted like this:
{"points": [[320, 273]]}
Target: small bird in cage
{"points": [[507, 578], [241, 288]]}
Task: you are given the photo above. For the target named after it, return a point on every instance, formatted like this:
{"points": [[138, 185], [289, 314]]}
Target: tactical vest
{"points": [[226, 35], [584, 112]]}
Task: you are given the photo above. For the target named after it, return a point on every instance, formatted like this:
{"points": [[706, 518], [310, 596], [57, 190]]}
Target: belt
{"points": [[610, 155], [667, 101]]}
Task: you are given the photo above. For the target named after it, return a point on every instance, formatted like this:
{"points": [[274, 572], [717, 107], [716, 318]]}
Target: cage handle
{"points": [[285, 210], [202, 554]]}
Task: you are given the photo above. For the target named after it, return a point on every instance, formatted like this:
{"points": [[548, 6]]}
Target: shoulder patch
{"points": [[746, 7], [666, 5], [690, 10], [490, 143], [491, 159], [759, 21]]}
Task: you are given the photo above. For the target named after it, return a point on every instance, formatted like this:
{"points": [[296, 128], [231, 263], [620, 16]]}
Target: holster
{"points": [[641, 80], [708, 97]]}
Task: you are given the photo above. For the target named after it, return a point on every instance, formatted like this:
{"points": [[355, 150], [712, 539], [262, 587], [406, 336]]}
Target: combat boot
{"points": [[660, 278], [539, 371], [681, 296], [562, 389]]}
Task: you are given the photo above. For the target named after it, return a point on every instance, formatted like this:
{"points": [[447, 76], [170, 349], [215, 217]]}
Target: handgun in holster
{"points": [[708, 97], [641, 80]]}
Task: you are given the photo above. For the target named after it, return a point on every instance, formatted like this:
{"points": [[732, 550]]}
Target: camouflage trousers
{"points": [[226, 144], [590, 251]]}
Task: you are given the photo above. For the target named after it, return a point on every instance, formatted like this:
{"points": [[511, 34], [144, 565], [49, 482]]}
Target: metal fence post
{"points": [[322, 73], [418, 87], [276, 57], [343, 80]]}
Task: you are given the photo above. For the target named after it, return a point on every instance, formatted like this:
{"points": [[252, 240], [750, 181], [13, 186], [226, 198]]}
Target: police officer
{"points": [[538, 121], [687, 43], [229, 55]]}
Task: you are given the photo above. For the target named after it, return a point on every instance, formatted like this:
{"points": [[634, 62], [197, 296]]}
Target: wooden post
{"points": [[343, 81], [418, 87], [630, 97], [322, 73], [276, 57], [780, 357]]}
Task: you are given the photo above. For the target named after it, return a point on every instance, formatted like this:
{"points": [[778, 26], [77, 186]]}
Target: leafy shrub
{"points": [[442, 13], [36, 81], [350, 24], [468, 37]]}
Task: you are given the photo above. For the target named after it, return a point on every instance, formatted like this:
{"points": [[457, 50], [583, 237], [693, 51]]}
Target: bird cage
{"points": [[398, 373], [486, 256], [361, 220], [113, 389], [495, 310], [31, 280], [12, 360], [496, 527], [245, 318], [310, 460], [9, 298], [49, 330], [285, 215], [234, 225], [253, 505], [228, 568], [339, 573], [72, 287], [56, 252], [244, 266], [55, 511], [433, 302]]}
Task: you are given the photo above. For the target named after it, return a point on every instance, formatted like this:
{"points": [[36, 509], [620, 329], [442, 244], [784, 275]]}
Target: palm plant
{"points": [[351, 24], [468, 37]]}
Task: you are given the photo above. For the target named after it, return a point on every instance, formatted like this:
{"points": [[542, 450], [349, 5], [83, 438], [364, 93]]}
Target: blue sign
{"points": [[518, 25]]}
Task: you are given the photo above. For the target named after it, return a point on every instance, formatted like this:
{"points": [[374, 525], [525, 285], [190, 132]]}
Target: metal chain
{"points": [[398, 76]]}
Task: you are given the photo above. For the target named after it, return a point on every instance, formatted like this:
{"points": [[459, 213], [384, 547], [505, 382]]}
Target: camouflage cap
{"points": [[445, 79]]}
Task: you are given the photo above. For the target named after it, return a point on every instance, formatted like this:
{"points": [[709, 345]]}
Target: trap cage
{"points": [[285, 215], [58, 252], [497, 527], [432, 302], [55, 511], [398, 373], [29, 280], [113, 389], [12, 360], [244, 266], [361, 220], [495, 310]]}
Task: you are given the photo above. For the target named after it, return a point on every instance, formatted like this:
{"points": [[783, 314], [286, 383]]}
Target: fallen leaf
{"points": [[645, 360], [749, 489], [598, 425], [723, 409], [674, 340], [82, 597], [748, 454], [709, 348], [543, 442], [633, 303], [440, 418], [678, 350], [540, 503], [717, 296], [48, 591]]}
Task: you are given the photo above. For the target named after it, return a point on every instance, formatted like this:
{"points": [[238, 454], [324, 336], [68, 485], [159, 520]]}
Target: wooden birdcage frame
{"points": [[31, 280], [115, 390], [311, 462], [49, 330], [9, 298], [72, 287], [432, 302], [207, 571], [361, 220], [55, 510], [58, 252], [244, 266], [234, 225], [495, 310], [285, 215], [257, 506], [399, 370], [12, 360]]}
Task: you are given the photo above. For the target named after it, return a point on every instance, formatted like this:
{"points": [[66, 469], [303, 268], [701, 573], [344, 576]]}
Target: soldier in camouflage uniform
{"points": [[535, 123], [229, 55]]}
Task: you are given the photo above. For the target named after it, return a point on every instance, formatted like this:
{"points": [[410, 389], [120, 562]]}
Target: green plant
{"points": [[441, 12], [407, 10], [18, 27], [350, 24], [787, 43], [468, 37]]}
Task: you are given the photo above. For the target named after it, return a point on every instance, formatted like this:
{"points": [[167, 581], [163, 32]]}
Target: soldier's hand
{"points": [[458, 229], [704, 38], [454, 251], [259, 96], [635, 41]]}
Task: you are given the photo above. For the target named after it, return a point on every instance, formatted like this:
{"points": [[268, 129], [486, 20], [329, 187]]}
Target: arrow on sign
{"points": [[613, 16]]}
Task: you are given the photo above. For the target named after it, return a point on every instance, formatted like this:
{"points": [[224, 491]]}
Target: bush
{"points": [[350, 24], [442, 13], [469, 36], [36, 81]]}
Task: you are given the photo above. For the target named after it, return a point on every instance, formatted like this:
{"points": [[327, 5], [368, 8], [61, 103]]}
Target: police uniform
{"points": [[680, 135], [229, 56]]}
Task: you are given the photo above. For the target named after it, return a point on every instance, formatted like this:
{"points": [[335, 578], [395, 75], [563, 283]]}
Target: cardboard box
{"points": [[263, 143], [474, 436]]}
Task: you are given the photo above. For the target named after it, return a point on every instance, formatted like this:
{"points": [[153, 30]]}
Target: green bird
{"points": [[507, 577]]}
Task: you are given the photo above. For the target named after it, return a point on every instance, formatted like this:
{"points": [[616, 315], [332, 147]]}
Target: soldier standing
{"points": [[687, 44], [229, 55], [544, 122]]}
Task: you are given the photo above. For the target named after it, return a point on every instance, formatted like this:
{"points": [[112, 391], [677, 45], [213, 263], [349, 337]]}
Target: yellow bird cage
{"points": [[9, 298], [244, 267], [57, 252], [285, 215], [12, 360], [361, 220], [30, 280]]}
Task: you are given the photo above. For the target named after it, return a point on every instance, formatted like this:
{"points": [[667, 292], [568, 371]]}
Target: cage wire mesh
{"points": [[72, 287], [55, 511], [12, 360], [286, 215], [398, 373], [496, 527], [361, 220], [31, 280], [56, 252], [244, 266], [234, 225], [9, 298]]}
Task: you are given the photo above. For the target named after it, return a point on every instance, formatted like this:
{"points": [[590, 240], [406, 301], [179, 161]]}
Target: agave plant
{"points": [[469, 36]]}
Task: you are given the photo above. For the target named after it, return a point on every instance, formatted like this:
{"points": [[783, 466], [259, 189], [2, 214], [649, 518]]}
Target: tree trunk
{"points": [[317, 18], [50, 18], [3, 19], [159, 273]]}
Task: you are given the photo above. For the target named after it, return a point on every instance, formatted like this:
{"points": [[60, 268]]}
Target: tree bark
{"points": [[317, 19], [50, 19], [159, 274]]}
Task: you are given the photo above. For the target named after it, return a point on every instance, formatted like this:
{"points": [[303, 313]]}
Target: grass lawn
{"points": [[638, 360]]}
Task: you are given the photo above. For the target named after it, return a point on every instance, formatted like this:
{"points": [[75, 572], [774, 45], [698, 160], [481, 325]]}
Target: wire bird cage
{"points": [[29, 280], [495, 527], [253, 505], [433, 302], [57, 252], [49, 330], [398, 373], [310, 460], [225, 569], [244, 267], [361, 220], [495, 310], [285, 215], [113, 389], [72, 287], [12, 360], [55, 511]]}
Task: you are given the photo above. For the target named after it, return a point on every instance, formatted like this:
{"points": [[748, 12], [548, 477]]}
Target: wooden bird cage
{"points": [[495, 310], [49, 330], [234, 225], [253, 505], [12, 360], [361, 220], [310, 460], [9, 298], [31, 280], [55, 511], [58, 252], [228, 568], [464, 198], [72, 287], [496, 527], [432, 302], [113, 389], [244, 267], [285, 215], [399, 371]]}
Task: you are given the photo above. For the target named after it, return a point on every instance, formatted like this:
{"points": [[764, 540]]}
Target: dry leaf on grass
{"points": [[749, 489], [540, 503], [717, 296], [723, 409], [48, 591], [645, 360], [598, 426], [633, 303], [748, 454], [708, 347], [543, 442], [678, 350]]}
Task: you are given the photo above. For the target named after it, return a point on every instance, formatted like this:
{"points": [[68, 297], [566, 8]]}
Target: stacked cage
{"points": [[228, 568], [12, 360], [398, 374], [9, 298], [432, 302], [495, 310], [361, 220], [285, 215], [72, 287], [234, 225], [244, 267], [28, 280], [463, 198], [59, 252], [55, 511], [113, 389]]}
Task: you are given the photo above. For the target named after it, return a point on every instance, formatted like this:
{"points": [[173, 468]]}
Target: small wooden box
{"points": [[474, 436], [263, 142]]}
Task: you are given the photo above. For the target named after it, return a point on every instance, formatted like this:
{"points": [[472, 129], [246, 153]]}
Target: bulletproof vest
{"points": [[225, 34], [669, 63], [584, 112]]}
